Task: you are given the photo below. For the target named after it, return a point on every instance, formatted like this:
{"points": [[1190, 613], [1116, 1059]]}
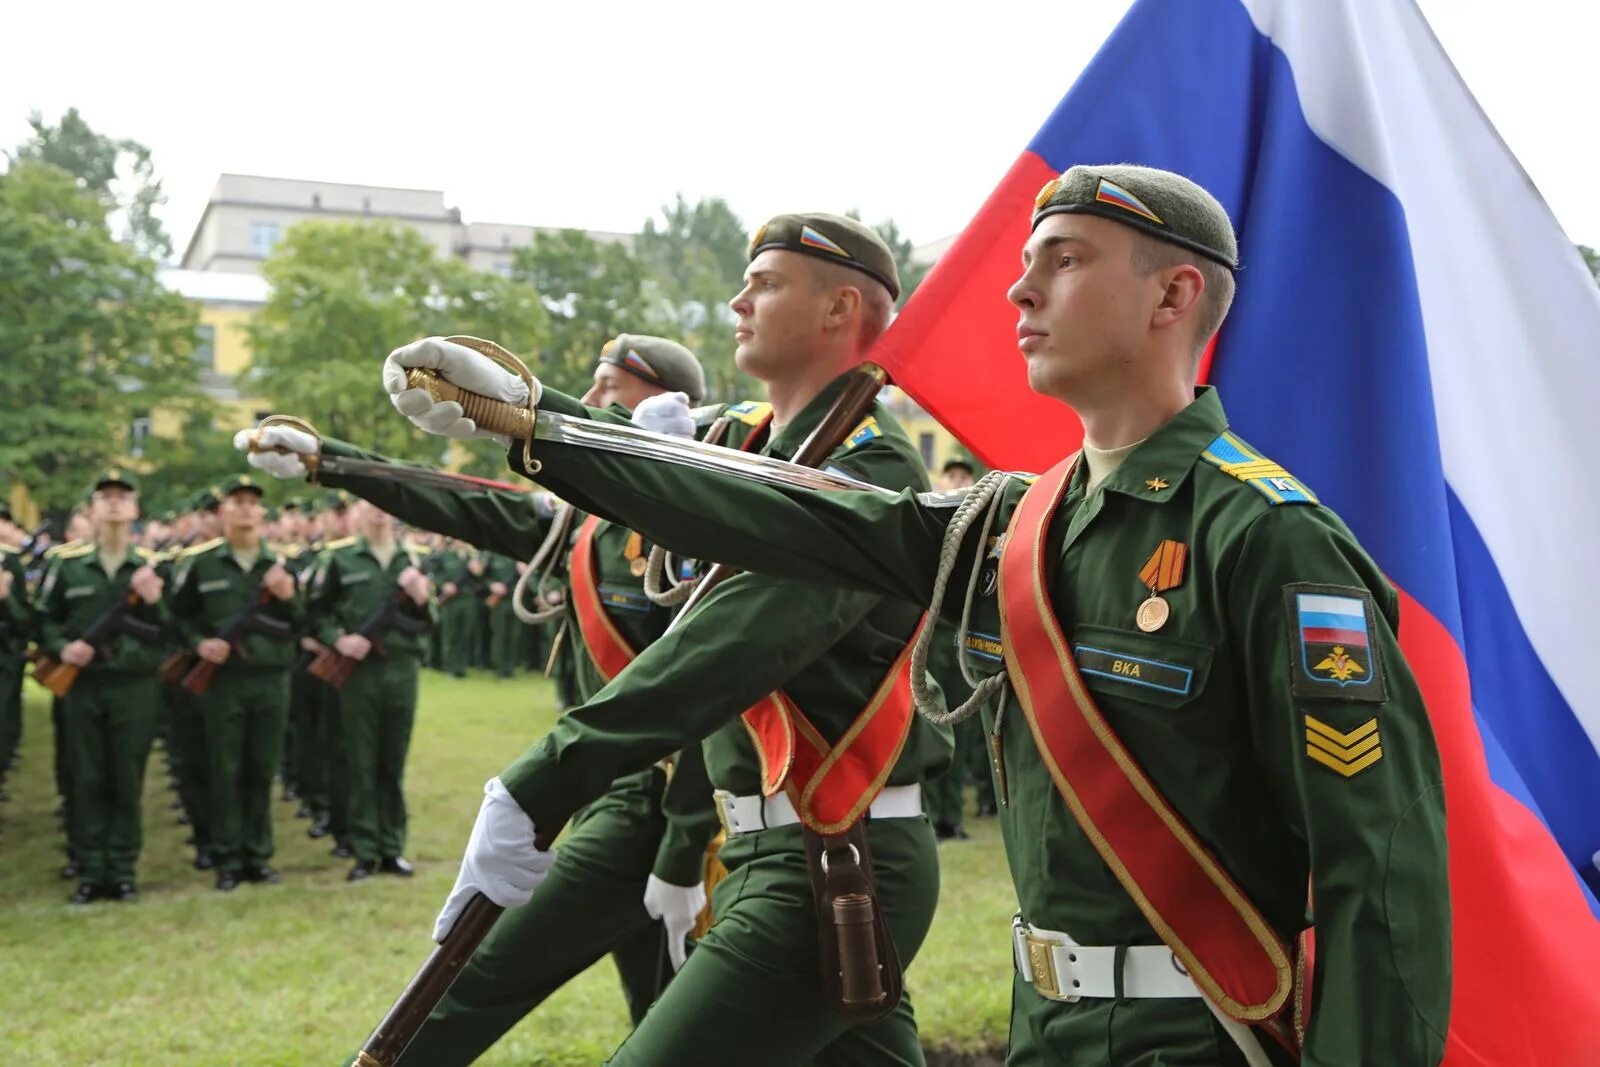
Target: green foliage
{"points": [[118, 172], [696, 255], [344, 294], [1591, 258], [592, 290], [911, 273], [91, 338], [201, 453]]}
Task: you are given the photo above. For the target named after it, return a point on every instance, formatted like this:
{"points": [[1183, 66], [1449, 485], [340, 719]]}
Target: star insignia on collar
{"points": [[1156, 484]]}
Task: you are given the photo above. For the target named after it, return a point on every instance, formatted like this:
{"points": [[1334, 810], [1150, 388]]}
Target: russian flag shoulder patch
{"points": [[1332, 655]]}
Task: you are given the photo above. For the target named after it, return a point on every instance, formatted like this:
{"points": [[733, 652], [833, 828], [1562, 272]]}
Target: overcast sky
{"points": [[592, 114]]}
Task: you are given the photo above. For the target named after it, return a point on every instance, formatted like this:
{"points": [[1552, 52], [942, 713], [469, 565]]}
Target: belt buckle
{"points": [[1042, 958]]}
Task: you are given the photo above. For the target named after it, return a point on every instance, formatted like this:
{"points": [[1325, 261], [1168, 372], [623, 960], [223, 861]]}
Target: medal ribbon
{"points": [[1164, 569]]}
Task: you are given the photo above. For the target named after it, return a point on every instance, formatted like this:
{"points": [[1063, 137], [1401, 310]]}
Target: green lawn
{"points": [[300, 972]]}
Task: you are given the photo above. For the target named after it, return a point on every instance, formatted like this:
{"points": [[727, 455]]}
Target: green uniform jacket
{"points": [[16, 614], [829, 649], [76, 589], [349, 583], [209, 588], [1228, 715], [513, 525]]}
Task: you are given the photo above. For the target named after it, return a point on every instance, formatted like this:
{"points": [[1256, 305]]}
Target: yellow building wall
{"points": [[923, 429], [231, 343]]}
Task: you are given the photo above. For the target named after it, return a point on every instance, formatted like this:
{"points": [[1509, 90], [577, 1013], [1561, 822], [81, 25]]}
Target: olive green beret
{"points": [[833, 238], [658, 361], [115, 476], [1164, 205]]}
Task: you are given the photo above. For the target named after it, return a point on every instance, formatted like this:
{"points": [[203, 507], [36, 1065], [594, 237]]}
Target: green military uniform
{"points": [[505, 631], [459, 612], [378, 704], [244, 708], [16, 630], [947, 792], [322, 774], [591, 903], [1227, 717], [108, 717], [189, 724], [828, 650]]}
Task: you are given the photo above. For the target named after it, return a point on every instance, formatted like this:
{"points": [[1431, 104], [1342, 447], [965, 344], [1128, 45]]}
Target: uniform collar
{"points": [[787, 442], [1157, 468]]}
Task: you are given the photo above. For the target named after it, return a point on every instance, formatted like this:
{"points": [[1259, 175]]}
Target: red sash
{"points": [[608, 649], [1231, 952]]}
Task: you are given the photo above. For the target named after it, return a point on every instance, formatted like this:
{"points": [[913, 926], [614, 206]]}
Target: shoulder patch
{"points": [[1332, 655], [1233, 457], [868, 430], [203, 546], [1344, 753], [749, 412]]}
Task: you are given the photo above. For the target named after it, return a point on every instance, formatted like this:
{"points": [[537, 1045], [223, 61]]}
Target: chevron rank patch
{"points": [[1331, 652], [1345, 754]]}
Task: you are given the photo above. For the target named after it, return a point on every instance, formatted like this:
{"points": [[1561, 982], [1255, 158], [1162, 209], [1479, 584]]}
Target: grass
{"points": [[300, 972]]}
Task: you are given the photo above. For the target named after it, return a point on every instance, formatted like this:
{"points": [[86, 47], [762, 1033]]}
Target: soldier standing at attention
{"points": [[16, 630], [1207, 738], [108, 717], [245, 705], [378, 704]]}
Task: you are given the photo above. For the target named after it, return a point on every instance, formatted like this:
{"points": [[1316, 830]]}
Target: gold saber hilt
{"points": [[496, 416]]}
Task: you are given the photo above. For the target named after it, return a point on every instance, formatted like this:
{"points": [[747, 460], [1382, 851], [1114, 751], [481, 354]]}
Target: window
{"points": [[205, 351], [503, 269], [263, 235], [138, 433], [925, 446]]}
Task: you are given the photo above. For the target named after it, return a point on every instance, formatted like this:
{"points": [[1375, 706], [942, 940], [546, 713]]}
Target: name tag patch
{"points": [[76, 591], [622, 598], [986, 647], [1135, 670], [216, 585]]}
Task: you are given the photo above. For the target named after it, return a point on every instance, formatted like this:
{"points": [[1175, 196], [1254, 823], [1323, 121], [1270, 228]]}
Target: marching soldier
{"points": [[635, 854], [16, 630], [1234, 747], [505, 632], [108, 716], [787, 682], [237, 582], [378, 704]]}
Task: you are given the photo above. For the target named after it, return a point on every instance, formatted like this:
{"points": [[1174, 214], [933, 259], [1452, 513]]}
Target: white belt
{"points": [[743, 815], [1061, 969]]}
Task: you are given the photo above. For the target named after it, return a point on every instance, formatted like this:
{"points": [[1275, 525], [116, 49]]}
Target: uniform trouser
{"points": [[336, 763], [946, 795], [972, 751], [10, 709], [588, 906], [244, 710], [194, 772], [63, 762], [460, 635], [311, 758], [1128, 1033], [505, 636], [752, 993], [108, 722], [378, 708]]}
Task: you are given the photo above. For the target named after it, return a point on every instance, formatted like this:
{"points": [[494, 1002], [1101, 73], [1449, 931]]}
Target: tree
{"points": [[1592, 259], [695, 255], [199, 454], [592, 291], [117, 172], [346, 293], [90, 338], [911, 273]]}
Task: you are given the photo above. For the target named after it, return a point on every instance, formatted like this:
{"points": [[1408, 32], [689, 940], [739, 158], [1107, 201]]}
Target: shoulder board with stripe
{"points": [[1233, 457], [868, 430], [66, 546], [749, 412], [148, 554], [416, 546], [6, 548], [334, 546], [286, 549], [203, 546], [73, 550]]}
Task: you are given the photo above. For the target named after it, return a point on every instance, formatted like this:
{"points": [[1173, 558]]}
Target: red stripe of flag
{"points": [[1318, 636]]}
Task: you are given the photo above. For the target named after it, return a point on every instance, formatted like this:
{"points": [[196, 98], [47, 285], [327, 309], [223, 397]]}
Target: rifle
{"points": [[31, 549], [58, 677], [335, 668], [197, 673]]}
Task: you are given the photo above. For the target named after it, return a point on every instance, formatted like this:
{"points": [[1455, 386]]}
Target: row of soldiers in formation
{"points": [[226, 594]]}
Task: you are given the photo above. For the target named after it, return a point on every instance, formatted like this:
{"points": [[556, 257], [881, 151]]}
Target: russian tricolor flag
{"points": [[1416, 340]]}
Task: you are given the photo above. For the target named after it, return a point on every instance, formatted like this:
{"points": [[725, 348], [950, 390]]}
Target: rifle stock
{"points": [[54, 675], [176, 666]]}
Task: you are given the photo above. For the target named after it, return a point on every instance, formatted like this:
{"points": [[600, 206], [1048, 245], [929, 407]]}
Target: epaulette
{"points": [[6, 546], [749, 412], [868, 430], [203, 546], [343, 542], [148, 554], [415, 546], [70, 550], [1233, 457]]}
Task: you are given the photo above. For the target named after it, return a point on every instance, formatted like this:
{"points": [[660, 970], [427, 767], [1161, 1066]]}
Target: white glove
{"points": [[459, 365], [665, 413], [678, 907], [278, 464], [501, 861]]}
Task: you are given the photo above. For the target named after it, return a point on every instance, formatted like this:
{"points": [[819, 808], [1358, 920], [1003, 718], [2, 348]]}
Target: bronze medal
{"points": [[1153, 614], [637, 566]]}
